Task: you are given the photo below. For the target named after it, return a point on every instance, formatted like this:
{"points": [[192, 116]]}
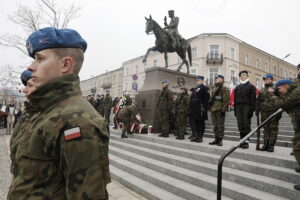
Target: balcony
{"points": [[106, 85], [214, 58]]}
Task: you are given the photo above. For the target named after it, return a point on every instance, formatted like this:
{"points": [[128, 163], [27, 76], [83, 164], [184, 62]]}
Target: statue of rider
{"points": [[172, 28]]}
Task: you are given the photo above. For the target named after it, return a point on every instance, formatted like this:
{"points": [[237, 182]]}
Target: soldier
{"points": [[63, 151], [219, 103], [244, 105], [115, 108], [101, 105], [107, 106], [198, 109], [163, 106], [266, 109], [297, 80], [127, 115], [97, 102], [172, 116], [172, 28], [289, 100], [92, 99], [182, 110]]}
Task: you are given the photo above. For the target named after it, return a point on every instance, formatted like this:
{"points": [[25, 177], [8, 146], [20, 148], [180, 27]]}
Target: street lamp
{"points": [[287, 55]]}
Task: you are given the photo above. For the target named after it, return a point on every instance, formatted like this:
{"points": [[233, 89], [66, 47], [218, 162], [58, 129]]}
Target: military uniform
{"points": [[172, 117], [127, 116], [198, 111], [182, 110], [297, 80], [101, 106], [266, 109], [107, 107], [164, 102], [218, 109], [63, 151]]}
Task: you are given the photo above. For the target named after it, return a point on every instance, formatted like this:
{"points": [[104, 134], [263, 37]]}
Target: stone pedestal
{"points": [[148, 95]]}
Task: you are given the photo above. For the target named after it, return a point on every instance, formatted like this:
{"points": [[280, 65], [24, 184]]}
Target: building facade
{"points": [[110, 80]]}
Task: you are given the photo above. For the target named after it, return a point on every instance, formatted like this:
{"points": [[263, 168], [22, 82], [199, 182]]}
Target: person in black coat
{"points": [[198, 109], [244, 105]]}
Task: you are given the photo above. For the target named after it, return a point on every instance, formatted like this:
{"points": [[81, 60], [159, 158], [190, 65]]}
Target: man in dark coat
{"points": [[244, 105], [198, 109]]}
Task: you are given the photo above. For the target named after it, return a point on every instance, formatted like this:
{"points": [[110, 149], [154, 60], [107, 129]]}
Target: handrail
{"points": [[233, 148]]}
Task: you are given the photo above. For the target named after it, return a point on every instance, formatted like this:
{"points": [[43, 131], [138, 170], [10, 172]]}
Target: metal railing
{"points": [[233, 148]]}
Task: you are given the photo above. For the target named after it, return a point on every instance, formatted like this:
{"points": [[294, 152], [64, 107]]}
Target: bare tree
{"points": [[45, 13]]}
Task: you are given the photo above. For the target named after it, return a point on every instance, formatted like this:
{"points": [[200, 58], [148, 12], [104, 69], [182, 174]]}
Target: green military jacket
{"points": [[63, 151], [128, 112], [297, 80], [183, 104], [222, 98], [23, 121], [107, 102], [263, 101], [165, 99]]}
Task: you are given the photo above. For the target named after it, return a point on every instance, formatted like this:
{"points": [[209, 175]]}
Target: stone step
{"points": [[233, 123], [237, 186], [282, 130], [140, 186], [180, 188], [281, 173]]}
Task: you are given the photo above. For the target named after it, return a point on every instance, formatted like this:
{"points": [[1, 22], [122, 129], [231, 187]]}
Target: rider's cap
{"points": [[283, 82], [198, 78], [51, 37]]}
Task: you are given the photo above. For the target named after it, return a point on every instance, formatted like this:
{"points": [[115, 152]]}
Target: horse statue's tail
{"points": [[190, 54]]}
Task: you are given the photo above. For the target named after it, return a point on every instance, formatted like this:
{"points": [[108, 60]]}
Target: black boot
{"points": [[215, 141], [245, 145], [271, 145], [161, 135], [220, 143], [265, 146], [194, 139], [297, 169], [124, 135], [297, 187]]}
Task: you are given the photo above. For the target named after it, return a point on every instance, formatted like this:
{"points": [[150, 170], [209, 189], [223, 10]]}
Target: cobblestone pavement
{"points": [[116, 190]]}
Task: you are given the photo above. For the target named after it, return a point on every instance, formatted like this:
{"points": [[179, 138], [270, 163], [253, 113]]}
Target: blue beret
{"points": [[268, 76], [25, 76], [220, 76], [50, 37], [199, 78], [165, 81], [283, 82], [107, 90]]}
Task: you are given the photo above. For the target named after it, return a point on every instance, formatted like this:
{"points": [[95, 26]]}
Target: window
{"points": [[258, 81], [274, 69], [281, 72], [233, 78], [257, 63], [193, 71], [267, 67], [120, 77], [213, 72], [136, 69], [214, 52], [232, 53], [290, 75], [194, 53], [285, 74], [247, 60], [154, 63], [127, 71], [126, 84]]}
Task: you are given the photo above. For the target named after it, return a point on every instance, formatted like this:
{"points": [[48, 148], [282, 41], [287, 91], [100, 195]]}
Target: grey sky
{"points": [[115, 29]]}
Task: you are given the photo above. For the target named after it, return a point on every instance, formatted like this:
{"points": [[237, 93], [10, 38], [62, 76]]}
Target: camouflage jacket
{"points": [[183, 104], [221, 101], [63, 151], [263, 101], [297, 80], [128, 112], [108, 102], [23, 121], [165, 99]]}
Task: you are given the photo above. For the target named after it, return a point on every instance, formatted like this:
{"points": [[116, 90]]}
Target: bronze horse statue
{"points": [[163, 44]]}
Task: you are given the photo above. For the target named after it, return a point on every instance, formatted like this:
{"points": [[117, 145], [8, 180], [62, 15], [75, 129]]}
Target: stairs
{"points": [[170, 169]]}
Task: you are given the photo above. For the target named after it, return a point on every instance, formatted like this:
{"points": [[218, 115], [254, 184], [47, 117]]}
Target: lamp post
{"points": [[55, 19]]}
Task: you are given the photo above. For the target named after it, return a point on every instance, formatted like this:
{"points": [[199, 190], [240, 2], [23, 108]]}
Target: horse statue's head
{"points": [[149, 25]]}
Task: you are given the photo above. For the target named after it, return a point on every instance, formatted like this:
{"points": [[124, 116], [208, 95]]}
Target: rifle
{"points": [[213, 98], [257, 133]]}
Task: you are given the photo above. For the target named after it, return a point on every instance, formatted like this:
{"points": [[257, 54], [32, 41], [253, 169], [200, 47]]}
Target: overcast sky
{"points": [[115, 29]]}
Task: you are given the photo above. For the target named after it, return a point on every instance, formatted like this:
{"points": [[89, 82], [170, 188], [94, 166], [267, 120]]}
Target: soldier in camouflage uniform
{"points": [[127, 115], [63, 151], [182, 110], [101, 105], [266, 109], [289, 100], [172, 116], [297, 80], [163, 106], [107, 106], [219, 106]]}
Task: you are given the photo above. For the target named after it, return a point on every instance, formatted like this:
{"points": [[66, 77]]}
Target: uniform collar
{"points": [[55, 91]]}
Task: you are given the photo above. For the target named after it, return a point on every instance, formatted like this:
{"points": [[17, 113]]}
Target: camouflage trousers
{"points": [[218, 121], [181, 123], [164, 120], [126, 125], [295, 116], [107, 113], [271, 128]]}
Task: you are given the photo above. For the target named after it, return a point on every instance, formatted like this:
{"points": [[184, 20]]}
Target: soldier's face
{"points": [[164, 85], [283, 89], [45, 67], [269, 81], [219, 80], [199, 82]]}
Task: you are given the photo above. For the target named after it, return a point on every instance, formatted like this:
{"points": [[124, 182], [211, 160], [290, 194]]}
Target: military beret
{"points": [[220, 76], [107, 90], [200, 78], [98, 95], [283, 82], [268, 76], [51, 37], [242, 72], [165, 81], [25, 76]]}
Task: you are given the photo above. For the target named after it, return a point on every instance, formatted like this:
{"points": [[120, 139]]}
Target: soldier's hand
{"points": [[270, 89]]}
